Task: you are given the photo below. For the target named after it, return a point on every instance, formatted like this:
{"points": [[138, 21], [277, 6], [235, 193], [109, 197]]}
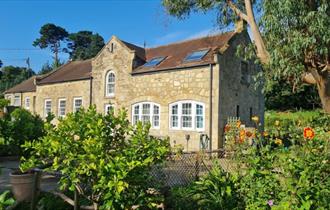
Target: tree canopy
{"points": [[84, 45], [12, 75], [291, 41], [51, 36]]}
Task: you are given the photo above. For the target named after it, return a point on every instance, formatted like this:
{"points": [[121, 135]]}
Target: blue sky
{"points": [[133, 21]]}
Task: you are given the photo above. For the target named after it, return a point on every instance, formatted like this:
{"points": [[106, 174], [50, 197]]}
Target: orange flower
{"points": [[227, 128], [238, 123], [241, 136], [249, 134], [309, 133]]}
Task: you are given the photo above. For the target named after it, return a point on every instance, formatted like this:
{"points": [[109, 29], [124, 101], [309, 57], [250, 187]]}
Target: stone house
{"points": [[185, 90]]}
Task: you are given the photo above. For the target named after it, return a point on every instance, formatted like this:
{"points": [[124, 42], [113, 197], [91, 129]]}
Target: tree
{"points": [[296, 34], [12, 75], [1, 63], [84, 45], [51, 36], [46, 68], [102, 157]]}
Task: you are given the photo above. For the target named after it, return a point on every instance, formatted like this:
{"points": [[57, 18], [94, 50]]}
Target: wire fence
{"points": [[182, 169]]}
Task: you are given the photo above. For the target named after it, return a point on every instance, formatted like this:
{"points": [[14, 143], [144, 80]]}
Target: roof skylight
{"points": [[196, 55], [154, 62]]}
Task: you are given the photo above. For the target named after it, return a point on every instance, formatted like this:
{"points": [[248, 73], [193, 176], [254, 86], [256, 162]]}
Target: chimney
{"points": [[240, 25]]}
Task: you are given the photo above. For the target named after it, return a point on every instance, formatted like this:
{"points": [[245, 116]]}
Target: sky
{"points": [[134, 21]]}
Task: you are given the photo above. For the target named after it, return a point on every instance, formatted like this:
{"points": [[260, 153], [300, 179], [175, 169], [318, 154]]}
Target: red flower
{"points": [[227, 128], [249, 134], [309, 133]]}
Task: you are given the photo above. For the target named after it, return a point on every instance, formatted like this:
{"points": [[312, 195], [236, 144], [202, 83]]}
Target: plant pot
{"points": [[23, 185]]}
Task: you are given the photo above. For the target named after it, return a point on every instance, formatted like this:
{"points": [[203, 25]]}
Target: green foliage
{"points": [[297, 35], [180, 199], [183, 8], [104, 157], [4, 103], [284, 169], [299, 119], [217, 190], [51, 36], [5, 201], [84, 45], [279, 95], [17, 128], [11, 76], [49, 201]]}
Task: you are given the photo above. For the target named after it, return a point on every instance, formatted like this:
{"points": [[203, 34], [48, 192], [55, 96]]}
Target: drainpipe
{"points": [[211, 106], [91, 91]]}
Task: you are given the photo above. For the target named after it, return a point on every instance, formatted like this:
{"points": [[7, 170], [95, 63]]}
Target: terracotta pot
{"points": [[23, 185]]}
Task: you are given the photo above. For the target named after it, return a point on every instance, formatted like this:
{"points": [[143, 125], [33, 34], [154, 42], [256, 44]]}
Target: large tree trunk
{"points": [[262, 52], [323, 87]]}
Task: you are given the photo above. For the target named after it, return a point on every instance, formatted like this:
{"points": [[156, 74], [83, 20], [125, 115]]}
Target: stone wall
{"points": [[66, 90], [233, 93], [23, 96], [162, 88]]}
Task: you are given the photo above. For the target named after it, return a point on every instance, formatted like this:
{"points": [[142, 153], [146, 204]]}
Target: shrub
{"points": [[5, 200], [104, 158], [217, 190], [275, 175], [18, 127]]}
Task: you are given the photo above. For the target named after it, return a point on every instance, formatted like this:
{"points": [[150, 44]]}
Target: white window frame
{"points": [[152, 104], [107, 106], [59, 107], [107, 83], [45, 107], [17, 100], [27, 103], [74, 108], [193, 115]]}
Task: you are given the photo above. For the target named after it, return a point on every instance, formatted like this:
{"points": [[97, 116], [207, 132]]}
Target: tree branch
{"points": [[70, 201], [237, 11]]}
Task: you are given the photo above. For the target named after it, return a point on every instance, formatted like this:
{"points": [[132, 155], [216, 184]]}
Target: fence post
{"points": [[197, 166], [76, 199], [36, 180]]}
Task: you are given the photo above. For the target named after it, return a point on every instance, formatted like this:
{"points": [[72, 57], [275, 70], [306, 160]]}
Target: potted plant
{"points": [[25, 185]]}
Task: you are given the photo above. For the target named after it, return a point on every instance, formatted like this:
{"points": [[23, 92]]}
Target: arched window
{"points": [[187, 115], [110, 81], [146, 112]]}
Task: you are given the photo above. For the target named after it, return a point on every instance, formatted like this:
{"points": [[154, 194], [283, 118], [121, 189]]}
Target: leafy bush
{"points": [[273, 175], [103, 157], [18, 127], [217, 190], [5, 200], [179, 198]]}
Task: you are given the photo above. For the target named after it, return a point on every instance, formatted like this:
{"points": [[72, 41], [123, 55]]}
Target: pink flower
{"points": [[270, 202]]}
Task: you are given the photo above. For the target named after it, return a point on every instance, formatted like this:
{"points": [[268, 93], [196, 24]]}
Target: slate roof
{"points": [[175, 53], [25, 86], [72, 71]]}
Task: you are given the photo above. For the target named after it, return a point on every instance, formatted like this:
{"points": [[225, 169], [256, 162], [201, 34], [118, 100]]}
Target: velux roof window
{"points": [[154, 62], [196, 55]]}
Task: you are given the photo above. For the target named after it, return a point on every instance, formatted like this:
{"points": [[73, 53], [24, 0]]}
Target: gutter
{"points": [[172, 69], [211, 105]]}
